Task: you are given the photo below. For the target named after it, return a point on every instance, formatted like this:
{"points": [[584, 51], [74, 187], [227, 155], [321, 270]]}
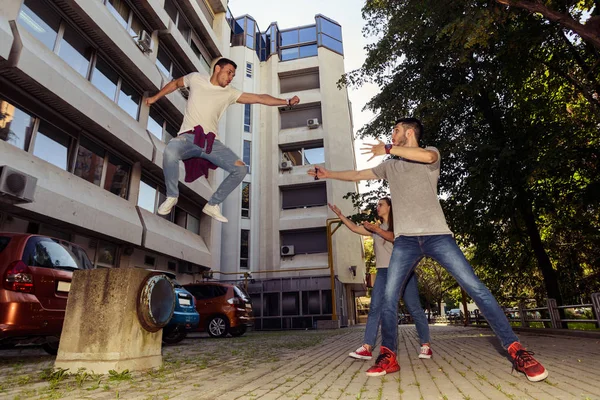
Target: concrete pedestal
{"points": [[101, 329]]}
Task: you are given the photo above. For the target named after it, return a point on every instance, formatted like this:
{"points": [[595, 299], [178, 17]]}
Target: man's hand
{"points": [[370, 227], [294, 100], [335, 209], [377, 149], [150, 100], [318, 172]]}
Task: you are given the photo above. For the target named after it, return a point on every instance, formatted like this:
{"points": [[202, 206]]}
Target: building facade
{"points": [[73, 78]]}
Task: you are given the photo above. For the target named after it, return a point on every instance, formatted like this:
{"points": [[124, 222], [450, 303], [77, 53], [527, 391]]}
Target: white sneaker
{"points": [[425, 352], [215, 212], [167, 205]]}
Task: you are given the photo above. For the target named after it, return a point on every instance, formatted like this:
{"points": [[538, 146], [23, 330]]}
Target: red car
{"points": [[36, 276]]}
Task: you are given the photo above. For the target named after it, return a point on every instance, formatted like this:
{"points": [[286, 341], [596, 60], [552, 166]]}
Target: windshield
{"points": [[50, 253]]}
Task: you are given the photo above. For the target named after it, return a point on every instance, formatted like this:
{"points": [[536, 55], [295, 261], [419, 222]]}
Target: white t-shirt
{"points": [[383, 248], [206, 103]]}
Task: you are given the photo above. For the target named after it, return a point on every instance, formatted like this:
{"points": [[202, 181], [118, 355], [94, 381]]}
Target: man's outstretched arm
{"points": [[266, 99], [351, 175], [168, 88]]}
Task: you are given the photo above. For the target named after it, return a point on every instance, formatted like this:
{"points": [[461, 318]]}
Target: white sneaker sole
{"points": [[538, 378], [424, 356], [216, 217], [359, 357], [375, 373]]}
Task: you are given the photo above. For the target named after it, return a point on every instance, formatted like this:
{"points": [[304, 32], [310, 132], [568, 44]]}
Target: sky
{"points": [[347, 13]]}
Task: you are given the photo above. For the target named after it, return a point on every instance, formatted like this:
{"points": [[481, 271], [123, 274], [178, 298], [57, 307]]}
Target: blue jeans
{"points": [[408, 251], [183, 147], [411, 299]]}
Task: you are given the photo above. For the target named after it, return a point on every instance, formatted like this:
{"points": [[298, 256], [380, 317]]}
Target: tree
{"points": [[509, 101], [590, 31]]}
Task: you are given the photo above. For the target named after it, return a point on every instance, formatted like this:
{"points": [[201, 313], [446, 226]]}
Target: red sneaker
{"points": [[386, 363], [361, 353], [425, 352], [525, 363]]}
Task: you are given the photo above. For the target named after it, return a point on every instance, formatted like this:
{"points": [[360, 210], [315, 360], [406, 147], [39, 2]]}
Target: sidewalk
{"points": [[468, 363]]}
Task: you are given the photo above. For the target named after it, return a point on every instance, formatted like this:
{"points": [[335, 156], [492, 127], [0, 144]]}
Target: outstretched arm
{"points": [[267, 100], [351, 175], [409, 153], [168, 88], [351, 225], [387, 235]]}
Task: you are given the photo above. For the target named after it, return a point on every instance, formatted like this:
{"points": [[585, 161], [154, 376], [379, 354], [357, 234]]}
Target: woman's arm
{"points": [[351, 225]]}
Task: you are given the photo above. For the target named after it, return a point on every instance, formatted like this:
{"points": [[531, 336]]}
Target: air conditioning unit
{"points": [[285, 165], [287, 250], [16, 186], [312, 123], [144, 42], [185, 92]]}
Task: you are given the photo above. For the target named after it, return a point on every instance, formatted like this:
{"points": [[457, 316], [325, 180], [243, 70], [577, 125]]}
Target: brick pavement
{"points": [[468, 363]]}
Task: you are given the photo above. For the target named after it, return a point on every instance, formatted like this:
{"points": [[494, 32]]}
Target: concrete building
{"points": [[73, 78]]}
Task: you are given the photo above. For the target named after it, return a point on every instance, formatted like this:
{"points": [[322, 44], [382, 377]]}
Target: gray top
{"points": [[413, 186], [382, 248]]}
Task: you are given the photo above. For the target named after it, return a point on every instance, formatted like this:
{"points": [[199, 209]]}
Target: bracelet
{"points": [[288, 102]]}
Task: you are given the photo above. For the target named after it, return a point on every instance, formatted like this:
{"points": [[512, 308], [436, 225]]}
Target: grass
{"points": [[580, 326]]}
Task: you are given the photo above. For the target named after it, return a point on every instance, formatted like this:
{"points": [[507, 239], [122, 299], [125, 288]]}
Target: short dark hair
{"points": [[413, 123], [225, 61]]}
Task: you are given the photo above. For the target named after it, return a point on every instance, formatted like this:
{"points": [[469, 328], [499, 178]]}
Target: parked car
{"points": [[36, 276], [185, 317], [224, 308], [454, 314]]}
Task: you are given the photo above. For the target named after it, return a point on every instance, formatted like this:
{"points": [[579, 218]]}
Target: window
{"points": [[41, 21], [107, 80], [147, 196], [165, 64], [303, 196], [245, 200], [107, 254], [171, 265], [126, 17], [247, 153], [330, 34], [244, 249], [247, 117], [187, 220], [75, 51], [307, 155], [299, 43], [16, 126], [117, 176], [90, 161], [299, 115], [49, 253], [52, 145], [160, 127], [149, 261], [306, 241], [249, 70], [299, 80]]}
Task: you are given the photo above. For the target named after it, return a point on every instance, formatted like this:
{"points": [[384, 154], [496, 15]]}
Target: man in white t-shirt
{"points": [[420, 230], [209, 98]]}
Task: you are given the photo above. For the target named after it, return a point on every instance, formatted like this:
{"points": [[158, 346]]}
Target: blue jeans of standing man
{"points": [[411, 299], [408, 251], [183, 147]]}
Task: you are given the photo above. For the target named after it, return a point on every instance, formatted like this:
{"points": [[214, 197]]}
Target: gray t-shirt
{"points": [[382, 248], [413, 186]]}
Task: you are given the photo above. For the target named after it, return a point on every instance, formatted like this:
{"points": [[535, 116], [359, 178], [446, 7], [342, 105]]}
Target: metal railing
{"points": [[550, 314]]}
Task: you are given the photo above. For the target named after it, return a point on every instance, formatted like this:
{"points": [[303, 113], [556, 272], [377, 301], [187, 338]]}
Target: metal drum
{"points": [[156, 302]]}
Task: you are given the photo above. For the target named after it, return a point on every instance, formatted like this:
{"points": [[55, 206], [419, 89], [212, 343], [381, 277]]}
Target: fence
{"points": [[550, 314]]}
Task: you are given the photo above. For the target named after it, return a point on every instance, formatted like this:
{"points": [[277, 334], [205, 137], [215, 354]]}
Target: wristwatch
{"points": [[388, 147]]}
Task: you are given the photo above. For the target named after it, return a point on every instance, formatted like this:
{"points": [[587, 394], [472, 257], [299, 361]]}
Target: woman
{"points": [[383, 237]]}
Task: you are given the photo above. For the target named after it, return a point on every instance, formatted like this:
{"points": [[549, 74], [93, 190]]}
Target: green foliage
{"points": [[124, 375], [512, 103]]}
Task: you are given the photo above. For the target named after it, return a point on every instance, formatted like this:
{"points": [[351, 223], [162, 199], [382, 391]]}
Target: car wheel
{"points": [[51, 347], [239, 331], [218, 326], [174, 335]]}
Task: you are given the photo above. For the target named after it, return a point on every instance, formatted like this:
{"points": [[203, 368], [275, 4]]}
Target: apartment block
{"points": [[73, 78]]}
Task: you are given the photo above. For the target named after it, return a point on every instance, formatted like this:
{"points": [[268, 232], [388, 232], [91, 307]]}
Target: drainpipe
{"points": [[331, 221]]}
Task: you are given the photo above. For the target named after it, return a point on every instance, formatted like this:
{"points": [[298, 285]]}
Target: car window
{"points": [[239, 292], [82, 258], [49, 253], [219, 291], [4, 242]]}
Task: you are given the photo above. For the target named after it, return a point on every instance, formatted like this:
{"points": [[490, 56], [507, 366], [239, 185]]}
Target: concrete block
{"points": [[101, 331]]}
